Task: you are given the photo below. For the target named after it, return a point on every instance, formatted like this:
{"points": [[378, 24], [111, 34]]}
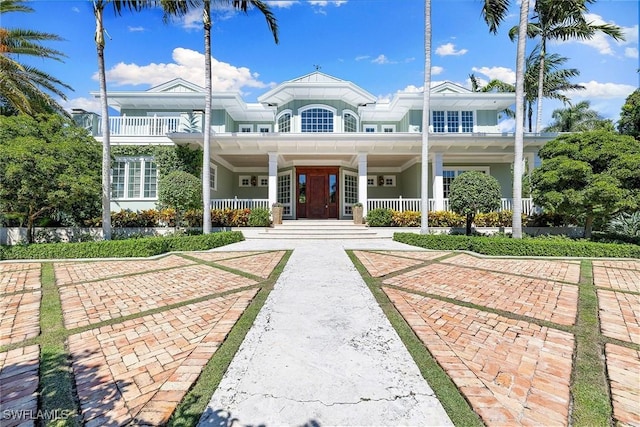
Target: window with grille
{"points": [[438, 121], [350, 192], [453, 121], [317, 120], [284, 123], [134, 178], [284, 192], [467, 121], [350, 123]]}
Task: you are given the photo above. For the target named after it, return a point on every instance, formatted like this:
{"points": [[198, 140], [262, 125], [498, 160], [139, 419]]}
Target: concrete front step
{"points": [[314, 229]]}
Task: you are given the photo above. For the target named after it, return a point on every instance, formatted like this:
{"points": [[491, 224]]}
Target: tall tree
{"points": [[426, 107], [494, 12], [561, 20], [629, 123], [576, 118], [24, 88], [240, 5]]}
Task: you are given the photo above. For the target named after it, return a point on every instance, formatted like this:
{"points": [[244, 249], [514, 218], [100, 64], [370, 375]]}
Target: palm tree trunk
{"points": [[426, 107], [206, 126], [519, 136], [98, 8], [543, 49]]}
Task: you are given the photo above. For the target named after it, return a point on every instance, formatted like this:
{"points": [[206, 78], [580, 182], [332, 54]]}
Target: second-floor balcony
{"points": [[146, 126]]}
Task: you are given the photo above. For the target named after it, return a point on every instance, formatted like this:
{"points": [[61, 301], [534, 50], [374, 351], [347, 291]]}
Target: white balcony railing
{"points": [[142, 126], [405, 204], [239, 203]]}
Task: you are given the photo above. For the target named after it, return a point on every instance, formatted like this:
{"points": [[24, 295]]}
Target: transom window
{"points": [[317, 120], [134, 178]]}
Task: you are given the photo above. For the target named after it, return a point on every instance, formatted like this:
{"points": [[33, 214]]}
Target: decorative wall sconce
{"points": [[254, 181], [380, 180]]}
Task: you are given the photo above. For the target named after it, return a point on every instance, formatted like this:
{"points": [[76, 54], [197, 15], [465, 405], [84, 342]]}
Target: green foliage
{"points": [[590, 175], [179, 190], [629, 123], [143, 247], [625, 224], [405, 218], [380, 217], [168, 159], [445, 219], [505, 246], [472, 192], [259, 218], [49, 166]]}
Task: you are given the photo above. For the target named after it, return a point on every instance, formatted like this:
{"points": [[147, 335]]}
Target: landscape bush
{"points": [[142, 247], [259, 218], [505, 246], [380, 217]]}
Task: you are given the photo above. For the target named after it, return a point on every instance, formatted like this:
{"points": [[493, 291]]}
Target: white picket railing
{"points": [[410, 204], [142, 126], [239, 203]]}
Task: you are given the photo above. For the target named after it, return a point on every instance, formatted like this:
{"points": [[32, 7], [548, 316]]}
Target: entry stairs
{"points": [[304, 229]]}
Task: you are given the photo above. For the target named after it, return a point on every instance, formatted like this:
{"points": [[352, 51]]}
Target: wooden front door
{"points": [[317, 191]]}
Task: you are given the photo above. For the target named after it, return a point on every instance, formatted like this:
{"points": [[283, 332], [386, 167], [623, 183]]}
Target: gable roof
{"points": [[176, 85]]}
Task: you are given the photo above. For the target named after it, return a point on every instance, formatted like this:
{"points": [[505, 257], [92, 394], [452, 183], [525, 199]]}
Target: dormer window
{"points": [[317, 119]]}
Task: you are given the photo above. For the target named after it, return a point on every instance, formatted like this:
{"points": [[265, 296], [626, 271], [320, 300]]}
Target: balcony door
{"points": [[317, 191]]}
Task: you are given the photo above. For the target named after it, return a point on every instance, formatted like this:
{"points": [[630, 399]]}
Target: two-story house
{"points": [[316, 144]]}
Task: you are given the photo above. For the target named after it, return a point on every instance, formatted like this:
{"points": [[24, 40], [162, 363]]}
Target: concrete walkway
{"points": [[321, 351]]}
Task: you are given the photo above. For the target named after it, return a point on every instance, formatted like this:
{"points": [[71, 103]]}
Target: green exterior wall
{"points": [[224, 184]]}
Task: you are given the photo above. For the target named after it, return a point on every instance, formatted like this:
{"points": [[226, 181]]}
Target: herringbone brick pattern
{"points": [[566, 271], [19, 380], [139, 370], [93, 302], [260, 265], [511, 371], [19, 277], [76, 272], [623, 367], [621, 277], [620, 315], [19, 317], [536, 298], [379, 264]]}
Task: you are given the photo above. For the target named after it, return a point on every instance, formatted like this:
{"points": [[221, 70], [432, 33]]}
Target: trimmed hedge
{"points": [[505, 246], [143, 247]]}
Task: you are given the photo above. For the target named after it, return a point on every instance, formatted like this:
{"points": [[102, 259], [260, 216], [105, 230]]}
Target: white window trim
{"points": [[392, 178], [336, 119], [263, 177], [374, 178], [343, 195], [374, 127], [486, 169], [242, 128], [259, 128], [347, 111], [446, 121], [385, 127], [291, 120], [291, 191], [242, 178], [213, 168], [127, 160]]}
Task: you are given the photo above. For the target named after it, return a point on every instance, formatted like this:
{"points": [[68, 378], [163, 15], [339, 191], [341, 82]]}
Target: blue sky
{"points": [[377, 44]]}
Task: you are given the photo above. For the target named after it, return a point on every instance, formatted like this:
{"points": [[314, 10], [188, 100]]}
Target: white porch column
{"points": [[438, 187], [362, 181], [273, 178]]}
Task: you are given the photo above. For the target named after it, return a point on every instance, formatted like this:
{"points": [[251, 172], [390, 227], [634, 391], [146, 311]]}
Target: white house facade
{"points": [[316, 144]]}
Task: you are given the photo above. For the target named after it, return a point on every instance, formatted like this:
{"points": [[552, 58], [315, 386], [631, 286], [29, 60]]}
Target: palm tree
{"points": [[561, 20], [24, 88], [576, 118], [243, 6], [426, 106], [494, 12]]}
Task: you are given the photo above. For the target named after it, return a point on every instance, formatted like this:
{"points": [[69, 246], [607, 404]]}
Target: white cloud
{"points": [[435, 70], [449, 49], [135, 29], [362, 57], [413, 88], [603, 43], [75, 9], [507, 75], [188, 64], [324, 3], [381, 59], [595, 89], [631, 52], [282, 4], [91, 105], [507, 125]]}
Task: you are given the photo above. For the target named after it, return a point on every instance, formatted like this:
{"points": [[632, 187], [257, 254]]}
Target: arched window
{"points": [[350, 121], [284, 122], [317, 119]]}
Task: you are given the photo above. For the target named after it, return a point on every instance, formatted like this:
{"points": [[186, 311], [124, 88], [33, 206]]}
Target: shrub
{"points": [[473, 192], [405, 219], [181, 191], [627, 224], [445, 219], [259, 218], [143, 247], [505, 246], [380, 217]]}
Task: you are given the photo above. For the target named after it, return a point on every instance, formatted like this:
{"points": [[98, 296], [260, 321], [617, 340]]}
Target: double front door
{"points": [[317, 191]]}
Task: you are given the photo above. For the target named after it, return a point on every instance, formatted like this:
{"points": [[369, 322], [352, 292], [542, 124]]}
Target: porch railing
{"points": [[239, 203], [410, 204], [141, 126]]}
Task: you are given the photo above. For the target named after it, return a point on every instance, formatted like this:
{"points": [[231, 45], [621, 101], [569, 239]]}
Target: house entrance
{"points": [[317, 193]]}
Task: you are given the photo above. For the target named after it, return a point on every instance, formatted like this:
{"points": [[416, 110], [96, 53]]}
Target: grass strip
{"points": [[446, 391], [189, 411], [56, 388], [589, 386]]}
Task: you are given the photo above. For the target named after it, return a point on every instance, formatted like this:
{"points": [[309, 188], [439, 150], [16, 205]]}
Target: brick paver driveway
{"points": [[503, 329], [139, 332]]}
